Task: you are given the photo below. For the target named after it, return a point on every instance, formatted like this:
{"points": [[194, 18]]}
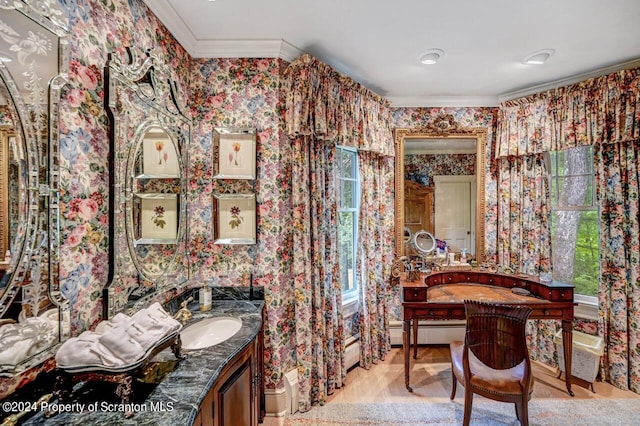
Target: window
{"points": [[348, 197], [574, 221]]}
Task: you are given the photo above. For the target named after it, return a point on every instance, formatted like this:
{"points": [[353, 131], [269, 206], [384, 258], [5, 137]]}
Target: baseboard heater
{"points": [[430, 332]]}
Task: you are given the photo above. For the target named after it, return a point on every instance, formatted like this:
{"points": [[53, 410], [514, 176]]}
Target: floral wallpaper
{"points": [[246, 93], [422, 168], [97, 28]]}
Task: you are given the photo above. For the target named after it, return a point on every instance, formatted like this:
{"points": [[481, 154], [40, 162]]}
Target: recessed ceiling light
{"points": [[538, 57], [431, 56]]}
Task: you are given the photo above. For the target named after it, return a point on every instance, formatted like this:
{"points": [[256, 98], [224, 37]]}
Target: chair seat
{"points": [[499, 382]]}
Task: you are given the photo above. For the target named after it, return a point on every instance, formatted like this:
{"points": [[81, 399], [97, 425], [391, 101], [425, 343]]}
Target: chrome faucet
{"points": [[184, 314]]}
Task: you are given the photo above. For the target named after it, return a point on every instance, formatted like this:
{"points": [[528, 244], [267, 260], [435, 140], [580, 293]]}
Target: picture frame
{"points": [[235, 151], [235, 218], [160, 157], [158, 218]]}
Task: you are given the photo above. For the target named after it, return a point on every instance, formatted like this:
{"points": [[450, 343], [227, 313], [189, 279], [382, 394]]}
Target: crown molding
{"points": [[635, 63], [267, 48], [168, 16], [245, 49], [442, 101]]}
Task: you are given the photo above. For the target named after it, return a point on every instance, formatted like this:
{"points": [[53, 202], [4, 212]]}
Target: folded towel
{"points": [[122, 345], [156, 311], [107, 358], [147, 330], [121, 341], [120, 319], [76, 351]]}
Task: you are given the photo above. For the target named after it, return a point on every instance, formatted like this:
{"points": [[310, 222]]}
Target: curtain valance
{"points": [[599, 110], [321, 102]]}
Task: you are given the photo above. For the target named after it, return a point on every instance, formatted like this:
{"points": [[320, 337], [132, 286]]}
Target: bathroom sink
{"points": [[209, 332]]}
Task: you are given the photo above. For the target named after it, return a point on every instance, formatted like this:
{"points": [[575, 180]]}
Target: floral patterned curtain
{"points": [[599, 110], [325, 109], [524, 233], [523, 214], [604, 112], [617, 180], [318, 293], [375, 256], [332, 107]]}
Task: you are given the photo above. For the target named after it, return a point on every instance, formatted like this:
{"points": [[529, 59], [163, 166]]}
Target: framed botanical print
{"points": [[236, 153], [158, 217], [159, 155], [235, 218]]}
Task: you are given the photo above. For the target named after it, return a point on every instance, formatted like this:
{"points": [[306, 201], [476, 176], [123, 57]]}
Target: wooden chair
{"points": [[493, 361]]}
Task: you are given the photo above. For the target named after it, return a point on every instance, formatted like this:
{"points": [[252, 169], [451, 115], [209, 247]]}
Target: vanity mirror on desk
{"points": [[439, 185], [33, 312], [149, 138]]}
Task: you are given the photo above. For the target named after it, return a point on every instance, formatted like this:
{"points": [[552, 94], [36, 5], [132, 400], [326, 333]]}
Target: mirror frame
{"points": [[41, 245], [444, 126], [142, 81]]}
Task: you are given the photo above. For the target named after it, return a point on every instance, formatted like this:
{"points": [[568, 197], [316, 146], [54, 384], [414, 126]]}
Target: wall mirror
{"points": [[439, 185], [33, 313], [149, 146]]}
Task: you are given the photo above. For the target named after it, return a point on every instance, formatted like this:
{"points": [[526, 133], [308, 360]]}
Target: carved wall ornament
{"points": [[442, 124]]}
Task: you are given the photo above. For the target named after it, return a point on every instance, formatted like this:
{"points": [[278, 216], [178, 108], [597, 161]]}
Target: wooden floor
{"points": [[431, 379]]}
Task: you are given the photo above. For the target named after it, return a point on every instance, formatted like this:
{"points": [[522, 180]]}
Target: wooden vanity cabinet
{"points": [[237, 396], [234, 399]]}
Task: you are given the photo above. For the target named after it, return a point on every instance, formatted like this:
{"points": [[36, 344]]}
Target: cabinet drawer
{"points": [[562, 295], [415, 294]]}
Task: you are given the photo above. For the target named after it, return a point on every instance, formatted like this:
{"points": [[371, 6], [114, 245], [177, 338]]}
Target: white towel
{"points": [[123, 346], [148, 331], [156, 311], [76, 351], [107, 358], [120, 319]]}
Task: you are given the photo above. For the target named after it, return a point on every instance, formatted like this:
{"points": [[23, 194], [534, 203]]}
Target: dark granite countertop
{"points": [[176, 399]]}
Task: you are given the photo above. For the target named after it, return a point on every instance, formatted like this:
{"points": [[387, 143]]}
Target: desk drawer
{"points": [[415, 294], [439, 313]]}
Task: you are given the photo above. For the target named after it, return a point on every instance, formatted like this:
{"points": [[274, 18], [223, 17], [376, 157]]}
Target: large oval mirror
{"points": [[439, 185], [33, 313], [149, 141], [153, 219], [13, 192]]}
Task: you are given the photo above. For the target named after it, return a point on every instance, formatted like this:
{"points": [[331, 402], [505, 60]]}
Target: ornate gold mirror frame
{"points": [[443, 127]]}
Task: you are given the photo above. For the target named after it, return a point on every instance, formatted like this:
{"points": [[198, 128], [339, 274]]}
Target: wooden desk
{"points": [[441, 295]]}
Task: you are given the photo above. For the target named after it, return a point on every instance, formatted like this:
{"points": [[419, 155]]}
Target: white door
{"points": [[455, 203]]}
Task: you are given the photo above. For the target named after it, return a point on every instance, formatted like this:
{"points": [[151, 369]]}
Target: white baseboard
{"points": [[275, 401]]}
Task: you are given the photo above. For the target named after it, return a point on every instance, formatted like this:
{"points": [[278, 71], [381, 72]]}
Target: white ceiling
{"points": [[377, 43]]}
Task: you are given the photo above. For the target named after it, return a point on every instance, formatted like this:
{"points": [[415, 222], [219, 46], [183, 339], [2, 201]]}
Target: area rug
{"points": [[541, 412]]}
